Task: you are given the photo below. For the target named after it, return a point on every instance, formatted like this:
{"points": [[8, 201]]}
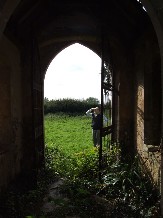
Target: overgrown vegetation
{"points": [[124, 191]]}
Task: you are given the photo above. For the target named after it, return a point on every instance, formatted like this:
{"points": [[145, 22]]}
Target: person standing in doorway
{"points": [[95, 113]]}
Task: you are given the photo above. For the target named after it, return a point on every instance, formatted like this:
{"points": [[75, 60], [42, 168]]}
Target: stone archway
{"points": [[33, 33]]}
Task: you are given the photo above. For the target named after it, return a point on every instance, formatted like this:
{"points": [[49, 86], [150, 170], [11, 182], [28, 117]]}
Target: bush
{"points": [[69, 105]]}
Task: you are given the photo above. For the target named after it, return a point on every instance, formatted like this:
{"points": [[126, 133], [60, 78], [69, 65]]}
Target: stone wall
{"points": [[148, 104], [138, 115], [10, 112]]}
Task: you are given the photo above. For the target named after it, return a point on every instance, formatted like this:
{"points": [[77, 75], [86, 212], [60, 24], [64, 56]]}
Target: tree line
{"points": [[68, 105]]}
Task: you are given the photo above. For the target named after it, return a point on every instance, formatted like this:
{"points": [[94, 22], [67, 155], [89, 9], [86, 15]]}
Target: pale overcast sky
{"points": [[73, 73]]}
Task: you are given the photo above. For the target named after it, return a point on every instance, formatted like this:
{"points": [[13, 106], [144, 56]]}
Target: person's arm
{"points": [[89, 112]]}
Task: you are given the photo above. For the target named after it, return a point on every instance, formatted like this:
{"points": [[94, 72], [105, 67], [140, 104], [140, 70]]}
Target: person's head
{"points": [[97, 110]]}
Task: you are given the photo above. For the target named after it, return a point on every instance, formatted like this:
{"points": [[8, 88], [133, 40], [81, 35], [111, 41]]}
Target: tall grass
{"points": [[124, 192], [71, 154], [69, 139], [71, 133]]}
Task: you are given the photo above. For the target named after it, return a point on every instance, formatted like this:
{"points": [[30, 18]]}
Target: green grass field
{"points": [[73, 134], [69, 147]]}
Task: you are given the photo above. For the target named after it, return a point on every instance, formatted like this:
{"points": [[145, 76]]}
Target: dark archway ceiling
{"points": [[58, 23], [47, 18]]}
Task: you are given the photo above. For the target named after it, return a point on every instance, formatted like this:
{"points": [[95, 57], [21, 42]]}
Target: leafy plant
{"points": [[125, 191]]}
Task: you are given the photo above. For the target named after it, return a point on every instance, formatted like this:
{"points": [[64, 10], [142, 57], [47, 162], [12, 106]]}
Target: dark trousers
{"points": [[96, 137]]}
